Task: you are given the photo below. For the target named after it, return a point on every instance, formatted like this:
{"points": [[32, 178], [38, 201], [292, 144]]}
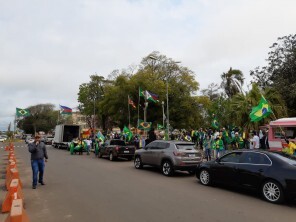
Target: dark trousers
{"points": [[37, 166]]}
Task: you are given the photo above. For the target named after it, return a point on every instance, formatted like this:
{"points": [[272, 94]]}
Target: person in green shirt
{"points": [[219, 145]]}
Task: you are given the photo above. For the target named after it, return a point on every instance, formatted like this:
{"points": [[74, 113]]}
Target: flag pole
{"points": [[14, 129], [138, 110], [58, 117], [129, 113]]}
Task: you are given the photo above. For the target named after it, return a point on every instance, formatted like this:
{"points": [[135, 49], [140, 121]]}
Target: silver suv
{"points": [[169, 156]]}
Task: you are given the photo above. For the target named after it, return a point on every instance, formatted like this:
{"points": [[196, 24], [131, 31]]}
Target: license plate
{"points": [[191, 155], [126, 151]]}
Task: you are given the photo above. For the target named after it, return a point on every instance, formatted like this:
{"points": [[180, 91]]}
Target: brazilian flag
{"points": [[128, 133], [261, 111], [144, 125], [22, 112], [215, 123]]}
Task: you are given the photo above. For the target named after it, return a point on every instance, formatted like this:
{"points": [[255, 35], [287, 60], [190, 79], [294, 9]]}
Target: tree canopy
{"points": [[42, 117], [280, 72]]}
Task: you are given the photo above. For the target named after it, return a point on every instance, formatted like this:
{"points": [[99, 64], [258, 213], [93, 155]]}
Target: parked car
{"points": [[116, 148], [29, 140], [48, 140], [169, 156], [273, 174], [2, 139]]}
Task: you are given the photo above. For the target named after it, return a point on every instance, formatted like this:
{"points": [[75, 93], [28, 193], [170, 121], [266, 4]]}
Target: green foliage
{"points": [[43, 118], [152, 75], [241, 106], [90, 95], [280, 71]]}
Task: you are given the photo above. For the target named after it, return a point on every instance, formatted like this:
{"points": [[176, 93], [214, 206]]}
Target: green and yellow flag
{"points": [[128, 133], [261, 111], [215, 123], [22, 112], [144, 125], [159, 126]]}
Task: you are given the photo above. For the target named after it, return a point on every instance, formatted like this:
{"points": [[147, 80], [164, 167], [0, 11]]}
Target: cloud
{"points": [[48, 48]]}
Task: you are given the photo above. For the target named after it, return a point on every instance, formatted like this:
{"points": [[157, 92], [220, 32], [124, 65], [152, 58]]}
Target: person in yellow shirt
{"points": [[291, 146]]}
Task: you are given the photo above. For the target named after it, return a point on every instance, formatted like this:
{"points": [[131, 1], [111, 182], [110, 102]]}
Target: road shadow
{"points": [[241, 191], [177, 173]]}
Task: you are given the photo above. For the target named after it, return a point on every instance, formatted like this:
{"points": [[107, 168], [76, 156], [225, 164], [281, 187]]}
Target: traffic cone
{"points": [[17, 213], [14, 192], [11, 165], [12, 158], [14, 174], [11, 154]]}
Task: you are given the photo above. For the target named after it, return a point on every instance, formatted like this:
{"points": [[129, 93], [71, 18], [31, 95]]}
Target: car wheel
{"points": [[167, 168], [204, 177], [111, 157], [272, 192], [138, 163]]}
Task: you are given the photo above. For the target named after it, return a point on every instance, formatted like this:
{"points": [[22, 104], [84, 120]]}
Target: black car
{"points": [[273, 174], [116, 148]]}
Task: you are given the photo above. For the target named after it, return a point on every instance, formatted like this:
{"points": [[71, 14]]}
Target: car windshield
{"points": [[185, 146], [117, 142], [285, 157]]}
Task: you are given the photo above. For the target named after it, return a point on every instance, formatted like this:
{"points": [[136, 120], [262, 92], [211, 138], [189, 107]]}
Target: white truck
{"points": [[64, 134]]}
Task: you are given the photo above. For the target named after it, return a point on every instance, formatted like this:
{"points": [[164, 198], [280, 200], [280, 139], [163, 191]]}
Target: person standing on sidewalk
{"points": [[38, 154]]}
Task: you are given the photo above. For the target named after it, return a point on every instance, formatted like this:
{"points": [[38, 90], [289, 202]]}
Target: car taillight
{"points": [[177, 153], [117, 148]]}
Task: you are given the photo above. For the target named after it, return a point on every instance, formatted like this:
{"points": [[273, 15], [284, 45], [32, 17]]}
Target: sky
{"points": [[49, 47]]}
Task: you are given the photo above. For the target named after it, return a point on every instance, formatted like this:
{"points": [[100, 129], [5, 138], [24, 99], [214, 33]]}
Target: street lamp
{"points": [[94, 113], [167, 93], [145, 111], [162, 103]]}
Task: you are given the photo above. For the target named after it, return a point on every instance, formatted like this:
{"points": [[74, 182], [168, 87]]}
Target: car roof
{"points": [[173, 141], [254, 151]]}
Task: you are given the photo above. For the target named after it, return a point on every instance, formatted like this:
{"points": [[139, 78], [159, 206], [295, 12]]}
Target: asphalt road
{"points": [[85, 188]]}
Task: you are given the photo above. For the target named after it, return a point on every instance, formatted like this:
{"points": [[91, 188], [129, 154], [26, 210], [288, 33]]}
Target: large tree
{"points": [[89, 96], [152, 75], [280, 72], [42, 117]]}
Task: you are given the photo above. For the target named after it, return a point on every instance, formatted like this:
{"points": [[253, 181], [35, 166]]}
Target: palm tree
{"points": [[232, 82], [241, 106]]}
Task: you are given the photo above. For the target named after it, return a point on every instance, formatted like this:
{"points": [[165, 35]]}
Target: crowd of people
{"points": [[213, 143]]}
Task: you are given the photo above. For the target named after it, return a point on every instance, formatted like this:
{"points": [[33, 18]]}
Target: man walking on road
{"points": [[38, 153]]}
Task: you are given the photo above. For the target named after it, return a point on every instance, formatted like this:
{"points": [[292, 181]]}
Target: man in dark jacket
{"points": [[38, 153]]}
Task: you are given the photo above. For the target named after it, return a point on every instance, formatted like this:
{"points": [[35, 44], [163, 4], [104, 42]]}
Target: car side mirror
{"points": [[217, 160], [145, 148]]}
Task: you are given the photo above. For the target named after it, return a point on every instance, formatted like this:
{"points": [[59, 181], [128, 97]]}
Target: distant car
{"points": [[48, 140], [273, 174], [29, 140], [116, 148], [2, 139], [169, 156]]}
